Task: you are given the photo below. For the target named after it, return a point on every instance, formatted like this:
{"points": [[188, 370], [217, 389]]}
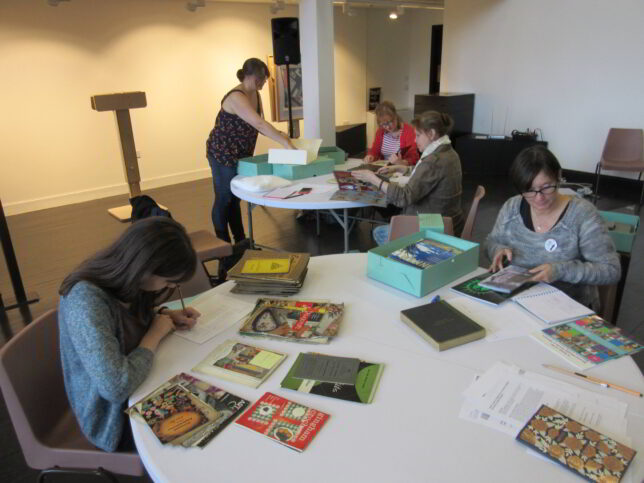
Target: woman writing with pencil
{"points": [[395, 141], [109, 327]]}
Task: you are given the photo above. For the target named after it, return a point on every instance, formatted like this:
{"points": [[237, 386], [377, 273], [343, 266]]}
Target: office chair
{"points": [[471, 216], [31, 379], [623, 151]]}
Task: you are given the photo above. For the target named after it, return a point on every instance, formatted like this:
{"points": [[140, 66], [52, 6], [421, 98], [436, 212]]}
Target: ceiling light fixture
{"points": [[347, 10], [393, 15], [276, 6], [54, 3], [400, 10]]}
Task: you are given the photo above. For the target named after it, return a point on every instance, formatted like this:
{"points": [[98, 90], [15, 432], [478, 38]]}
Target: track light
{"points": [[276, 6], [393, 15], [400, 10], [54, 3], [194, 4], [347, 10]]}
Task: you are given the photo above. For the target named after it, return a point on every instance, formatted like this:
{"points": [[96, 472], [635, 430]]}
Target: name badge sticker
{"points": [[550, 245]]}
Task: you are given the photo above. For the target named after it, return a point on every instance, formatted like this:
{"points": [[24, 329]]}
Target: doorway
{"points": [[436, 48]]}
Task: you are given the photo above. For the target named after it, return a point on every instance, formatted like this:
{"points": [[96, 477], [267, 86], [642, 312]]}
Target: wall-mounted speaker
{"points": [[286, 40]]}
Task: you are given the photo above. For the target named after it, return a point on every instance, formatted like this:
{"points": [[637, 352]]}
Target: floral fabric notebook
{"points": [[590, 454]]}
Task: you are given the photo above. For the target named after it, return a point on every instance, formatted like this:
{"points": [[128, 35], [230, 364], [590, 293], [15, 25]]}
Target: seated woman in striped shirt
{"points": [[395, 141]]}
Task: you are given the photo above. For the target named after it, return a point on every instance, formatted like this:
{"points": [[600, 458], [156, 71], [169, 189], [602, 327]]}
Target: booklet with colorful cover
{"points": [[289, 423], [186, 411], [507, 279], [472, 288], [242, 363], [587, 342], [424, 253], [352, 189], [339, 377], [296, 320], [580, 449]]}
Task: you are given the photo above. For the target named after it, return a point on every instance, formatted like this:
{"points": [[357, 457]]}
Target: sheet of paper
{"points": [[218, 313], [505, 321], [311, 146], [505, 397]]}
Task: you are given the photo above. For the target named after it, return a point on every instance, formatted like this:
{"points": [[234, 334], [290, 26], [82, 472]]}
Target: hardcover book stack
{"points": [[269, 272]]}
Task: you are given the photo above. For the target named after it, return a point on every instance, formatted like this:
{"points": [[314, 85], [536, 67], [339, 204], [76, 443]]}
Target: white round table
{"points": [[312, 201], [410, 433]]}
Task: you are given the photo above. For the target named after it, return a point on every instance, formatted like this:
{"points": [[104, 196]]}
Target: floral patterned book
{"points": [[590, 454], [289, 423]]}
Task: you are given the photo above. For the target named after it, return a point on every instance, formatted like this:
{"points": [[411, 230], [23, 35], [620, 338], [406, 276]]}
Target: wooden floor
{"points": [[50, 243]]}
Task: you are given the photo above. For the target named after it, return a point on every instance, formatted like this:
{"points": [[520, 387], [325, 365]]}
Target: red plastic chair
{"points": [[31, 379]]}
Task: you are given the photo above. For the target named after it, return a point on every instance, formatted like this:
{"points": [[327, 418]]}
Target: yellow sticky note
{"points": [[267, 265], [265, 359]]}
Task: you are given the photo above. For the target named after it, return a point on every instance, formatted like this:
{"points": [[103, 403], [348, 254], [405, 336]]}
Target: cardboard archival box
{"points": [[623, 241], [416, 281]]}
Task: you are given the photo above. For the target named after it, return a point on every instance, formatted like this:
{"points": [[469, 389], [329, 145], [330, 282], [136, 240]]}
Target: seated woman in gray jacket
{"points": [[434, 184], [561, 238], [109, 328]]}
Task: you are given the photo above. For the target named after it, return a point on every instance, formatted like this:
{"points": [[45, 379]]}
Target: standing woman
{"points": [[395, 140], [234, 136], [433, 185], [109, 328]]}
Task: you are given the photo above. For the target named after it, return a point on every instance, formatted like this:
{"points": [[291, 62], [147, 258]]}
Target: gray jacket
{"points": [[583, 255], [435, 187], [99, 376]]}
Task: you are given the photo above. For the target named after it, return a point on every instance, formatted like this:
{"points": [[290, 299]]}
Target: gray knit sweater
{"points": [[580, 249], [99, 377]]}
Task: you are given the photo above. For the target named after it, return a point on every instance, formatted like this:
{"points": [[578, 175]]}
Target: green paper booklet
{"points": [[338, 377]]}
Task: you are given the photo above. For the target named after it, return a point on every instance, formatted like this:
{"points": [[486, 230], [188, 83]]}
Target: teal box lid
{"points": [[431, 221], [416, 281], [338, 155], [320, 166], [622, 228], [254, 165]]}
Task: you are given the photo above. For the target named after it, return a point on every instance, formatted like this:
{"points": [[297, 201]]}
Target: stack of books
{"points": [[269, 272]]}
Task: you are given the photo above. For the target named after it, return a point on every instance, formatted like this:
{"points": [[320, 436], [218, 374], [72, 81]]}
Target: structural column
{"points": [[316, 48]]}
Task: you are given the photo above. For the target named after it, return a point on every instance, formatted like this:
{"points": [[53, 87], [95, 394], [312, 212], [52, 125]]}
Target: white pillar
{"points": [[316, 48]]}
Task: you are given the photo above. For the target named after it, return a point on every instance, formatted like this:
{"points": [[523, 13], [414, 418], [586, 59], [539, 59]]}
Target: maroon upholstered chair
{"points": [[623, 151], [31, 379], [471, 216]]}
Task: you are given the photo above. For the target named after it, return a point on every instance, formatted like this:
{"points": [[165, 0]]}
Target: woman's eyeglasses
{"points": [[546, 190], [386, 124]]}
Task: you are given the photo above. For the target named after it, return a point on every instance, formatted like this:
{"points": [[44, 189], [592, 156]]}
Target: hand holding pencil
{"points": [[183, 319]]}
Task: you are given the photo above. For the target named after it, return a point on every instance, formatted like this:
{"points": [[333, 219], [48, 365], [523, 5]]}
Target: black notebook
{"points": [[442, 325]]}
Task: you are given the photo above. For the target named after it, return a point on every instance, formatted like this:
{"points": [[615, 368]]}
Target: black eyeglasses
{"points": [[546, 190], [386, 124]]}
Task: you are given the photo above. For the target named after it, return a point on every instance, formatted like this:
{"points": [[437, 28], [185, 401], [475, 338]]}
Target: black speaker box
{"points": [[286, 40]]}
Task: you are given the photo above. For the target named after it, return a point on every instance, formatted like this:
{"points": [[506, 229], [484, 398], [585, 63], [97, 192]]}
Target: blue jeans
{"points": [[381, 234], [226, 210]]}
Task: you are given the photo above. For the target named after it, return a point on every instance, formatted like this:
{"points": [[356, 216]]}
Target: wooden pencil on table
{"points": [[594, 380]]}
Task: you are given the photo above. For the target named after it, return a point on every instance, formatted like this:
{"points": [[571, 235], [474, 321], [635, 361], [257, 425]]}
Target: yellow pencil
{"points": [[183, 305], [594, 380]]}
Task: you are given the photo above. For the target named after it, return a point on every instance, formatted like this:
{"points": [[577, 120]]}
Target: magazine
{"points": [[507, 279], [186, 411], [242, 363], [352, 189], [424, 253], [472, 288], [297, 320], [291, 424]]}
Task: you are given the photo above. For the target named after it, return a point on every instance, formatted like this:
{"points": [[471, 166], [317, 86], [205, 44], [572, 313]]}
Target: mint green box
{"points": [[320, 166], [339, 156], [431, 221], [254, 165], [623, 241], [416, 281]]}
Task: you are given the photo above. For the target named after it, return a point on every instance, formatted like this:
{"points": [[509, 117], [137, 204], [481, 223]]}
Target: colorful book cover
{"points": [[587, 342], [507, 279], [186, 411], [352, 189], [297, 320], [473, 289], [361, 387], [424, 253], [267, 265], [287, 422], [242, 363], [580, 449]]}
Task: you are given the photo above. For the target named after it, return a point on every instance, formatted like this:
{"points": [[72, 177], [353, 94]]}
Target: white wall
{"points": [[398, 53], [55, 149], [572, 68]]}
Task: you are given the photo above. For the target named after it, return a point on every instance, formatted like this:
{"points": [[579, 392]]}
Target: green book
{"points": [[338, 377], [442, 325]]}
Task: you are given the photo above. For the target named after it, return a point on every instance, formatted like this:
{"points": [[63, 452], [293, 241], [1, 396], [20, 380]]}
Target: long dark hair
{"points": [[529, 163], [152, 246]]}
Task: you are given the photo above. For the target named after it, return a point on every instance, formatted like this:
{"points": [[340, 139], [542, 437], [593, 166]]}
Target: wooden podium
{"points": [[121, 104]]}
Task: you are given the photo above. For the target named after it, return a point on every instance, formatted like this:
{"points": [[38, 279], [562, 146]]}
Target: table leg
{"points": [[317, 222], [250, 225], [346, 230]]}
